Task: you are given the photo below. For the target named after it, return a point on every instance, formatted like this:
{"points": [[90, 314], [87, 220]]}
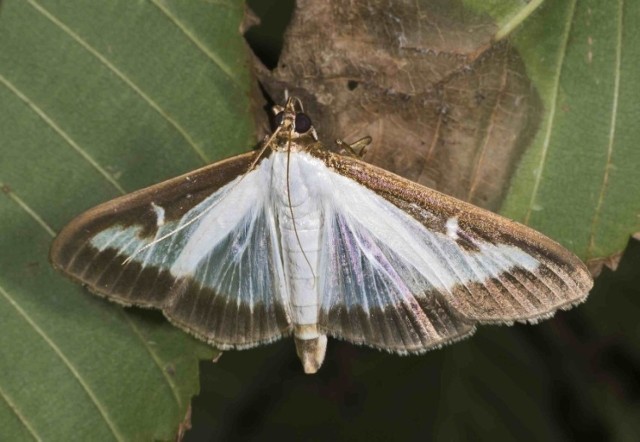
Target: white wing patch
{"points": [[436, 258], [225, 255], [452, 228], [384, 279], [219, 215], [388, 281], [159, 210]]}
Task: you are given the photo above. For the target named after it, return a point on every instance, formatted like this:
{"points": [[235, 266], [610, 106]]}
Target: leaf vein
{"points": [[552, 112], [23, 420], [156, 359], [492, 124], [24, 206], [612, 131], [199, 44], [57, 129], [514, 21], [125, 79], [103, 412], [150, 350]]}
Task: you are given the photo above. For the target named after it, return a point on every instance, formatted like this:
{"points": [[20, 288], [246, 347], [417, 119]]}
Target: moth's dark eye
{"points": [[303, 123], [278, 118]]}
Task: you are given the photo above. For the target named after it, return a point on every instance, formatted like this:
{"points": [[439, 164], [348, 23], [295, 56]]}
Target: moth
{"points": [[294, 239]]}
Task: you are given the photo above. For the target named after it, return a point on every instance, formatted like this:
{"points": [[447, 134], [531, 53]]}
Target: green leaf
{"points": [[577, 182], [98, 99]]}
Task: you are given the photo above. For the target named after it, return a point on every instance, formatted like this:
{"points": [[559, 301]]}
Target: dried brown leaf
{"points": [[444, 106]]}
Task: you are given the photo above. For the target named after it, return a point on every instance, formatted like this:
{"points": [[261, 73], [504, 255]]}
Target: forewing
{"points": [[202, 247], [405, 267]]}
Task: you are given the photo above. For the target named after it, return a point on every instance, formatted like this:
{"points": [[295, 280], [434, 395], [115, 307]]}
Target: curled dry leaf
{"points": [[445, 107]]}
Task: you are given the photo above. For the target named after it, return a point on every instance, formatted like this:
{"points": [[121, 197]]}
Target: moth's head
{"points": [[292, 124]]}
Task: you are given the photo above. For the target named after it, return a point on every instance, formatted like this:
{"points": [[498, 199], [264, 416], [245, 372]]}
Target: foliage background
{"points": [[575, 377], [97, 98]]}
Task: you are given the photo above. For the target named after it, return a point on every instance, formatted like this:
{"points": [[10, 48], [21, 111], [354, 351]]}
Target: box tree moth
{"points": [[296, 239]]}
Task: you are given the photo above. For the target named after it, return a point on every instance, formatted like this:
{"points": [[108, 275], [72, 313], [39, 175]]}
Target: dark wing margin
{"points": [[371, 299], [468, 240], [190, 301]]}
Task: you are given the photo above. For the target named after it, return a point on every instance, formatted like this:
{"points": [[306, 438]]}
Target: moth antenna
{"points": [[298, 102], [293, 220], [266, 144], [167, 235]]}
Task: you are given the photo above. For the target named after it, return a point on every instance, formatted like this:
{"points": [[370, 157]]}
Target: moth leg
{"points": [[356, 149]]}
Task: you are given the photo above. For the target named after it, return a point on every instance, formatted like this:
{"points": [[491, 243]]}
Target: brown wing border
{"points": [[574, 278], [182, 193], [104, 274]]}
